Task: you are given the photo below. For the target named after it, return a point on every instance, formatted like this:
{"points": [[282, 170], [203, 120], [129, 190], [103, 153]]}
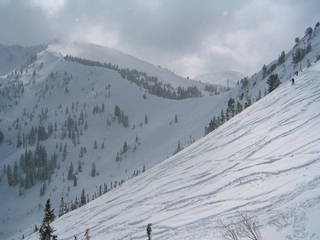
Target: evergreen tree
{"points": [[75, 181], [93, 170], [70, 172], [176, 118], [64, 154], [125, 147], [46, 231], [95, 145], [1, 136], [79, 166], [179, 148], [239, 107], [222, 117], [9, 176], [264, 71], [146, 119], [231, 107], [273, 82], [282, 57], [61, 207], [19, 141], [118, 157], [83, 198], [15, 174]]}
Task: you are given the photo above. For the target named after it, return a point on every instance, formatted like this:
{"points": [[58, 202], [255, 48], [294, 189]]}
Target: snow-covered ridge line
{"points": [[141, 79]]}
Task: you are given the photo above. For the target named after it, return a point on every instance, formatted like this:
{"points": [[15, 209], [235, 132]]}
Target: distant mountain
{"points": [[223, 78]]}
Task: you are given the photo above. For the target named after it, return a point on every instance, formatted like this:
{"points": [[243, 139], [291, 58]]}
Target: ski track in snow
{"points": [[265, 161]]}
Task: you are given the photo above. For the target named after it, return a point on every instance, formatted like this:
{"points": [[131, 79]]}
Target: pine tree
{"points": [[75, 181], [70, 172], [83, 198], [79, 166], [239, 107], [222, 117], [273, 82], [146, 119], [264, 71], [1, 137], [9, 175], [175, 118], [93, 170], [282, 58], [64, 154], [61, 207], [125, 147], [46, 231], [231, 107], [15, 174]]}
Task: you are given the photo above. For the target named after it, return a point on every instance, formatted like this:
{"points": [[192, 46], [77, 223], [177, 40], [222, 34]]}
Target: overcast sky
{"points": [[187, 36]]}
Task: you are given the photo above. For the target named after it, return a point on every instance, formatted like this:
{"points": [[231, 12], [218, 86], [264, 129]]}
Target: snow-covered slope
{"points": [[264, 161], [223, 78], [54, 92], [106, 54], [76, 105]]}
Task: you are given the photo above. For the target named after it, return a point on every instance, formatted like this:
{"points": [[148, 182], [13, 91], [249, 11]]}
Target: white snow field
{"points": [[265, 161]]}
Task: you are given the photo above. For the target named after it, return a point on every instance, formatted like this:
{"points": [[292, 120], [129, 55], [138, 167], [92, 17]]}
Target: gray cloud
{"points": [[189, 37]]}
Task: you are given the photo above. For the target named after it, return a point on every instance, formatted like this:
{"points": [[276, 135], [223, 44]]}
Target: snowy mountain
{"points": [[94, 120], [265, 161], [16, 57], [223, 78], [110, 55], [88, 117]]}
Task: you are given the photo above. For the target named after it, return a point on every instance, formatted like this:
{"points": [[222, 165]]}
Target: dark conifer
{"points": [[46, 231]]}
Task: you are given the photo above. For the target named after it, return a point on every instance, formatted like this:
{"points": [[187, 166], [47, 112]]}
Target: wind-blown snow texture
{"points": [[265, 161]]}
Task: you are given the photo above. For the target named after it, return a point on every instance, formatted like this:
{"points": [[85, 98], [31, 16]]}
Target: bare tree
{"points": [[230, 230], [249, 226], [245, 227]]}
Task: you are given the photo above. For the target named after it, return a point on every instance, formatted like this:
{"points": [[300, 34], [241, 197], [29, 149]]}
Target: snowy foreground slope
{"points": [[264, 161]]}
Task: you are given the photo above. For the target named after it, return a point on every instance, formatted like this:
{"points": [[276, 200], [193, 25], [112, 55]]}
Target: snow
{"points": [[223, 78], [106, 54], [157, 140], [264, 161]]}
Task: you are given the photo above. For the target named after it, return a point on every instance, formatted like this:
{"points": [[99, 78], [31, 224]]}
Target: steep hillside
{"points": [[288, 65], [70, 127], [265, 161]]}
